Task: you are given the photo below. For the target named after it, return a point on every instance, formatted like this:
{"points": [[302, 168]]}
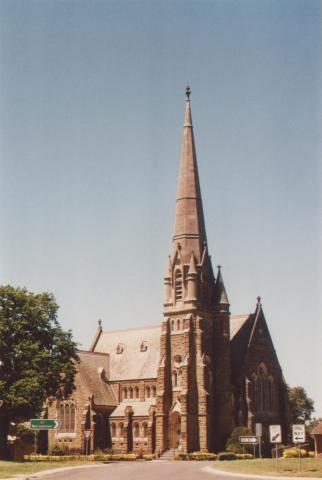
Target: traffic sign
{"points": [[258, 429], [87, 434], [298, 432], [45, 423], [275, 433], [248, 439]]}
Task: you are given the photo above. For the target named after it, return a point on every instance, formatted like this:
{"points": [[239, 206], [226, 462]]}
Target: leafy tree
{"points": [[37, 358], [300, 405], [232, 444]]}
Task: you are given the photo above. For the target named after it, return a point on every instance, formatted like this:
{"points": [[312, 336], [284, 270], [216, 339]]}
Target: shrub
{"points": [[149, 456], [311, 454], [202, 456], [226, 456], [182, 456], [293, 453], [233, 445]]}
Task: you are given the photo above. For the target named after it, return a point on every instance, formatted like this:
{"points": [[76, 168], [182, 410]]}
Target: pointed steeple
{"points": [[189, 227], [221, 297]]}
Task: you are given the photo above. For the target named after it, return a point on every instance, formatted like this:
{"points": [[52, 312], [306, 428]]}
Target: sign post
{"points": [[249, 440], [275, 436], [87, 435], [38, 424], [259, 433], [298, 433]]}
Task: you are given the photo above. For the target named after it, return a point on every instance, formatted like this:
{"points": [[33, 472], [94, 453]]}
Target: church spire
{"points": [[189, 228]]}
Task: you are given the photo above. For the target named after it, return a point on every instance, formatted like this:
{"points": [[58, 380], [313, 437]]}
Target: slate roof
{"points": [[91, 372], [236, 323], [140, 409], [131, 363]]}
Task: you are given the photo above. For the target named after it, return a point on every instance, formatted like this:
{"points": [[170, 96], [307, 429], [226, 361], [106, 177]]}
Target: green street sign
{"points": [[45, 424]]}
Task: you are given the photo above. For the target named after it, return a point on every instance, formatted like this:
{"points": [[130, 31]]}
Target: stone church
{"points": [[187, 382]]}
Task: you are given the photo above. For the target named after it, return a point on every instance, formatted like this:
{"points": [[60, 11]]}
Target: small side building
{"points": [[317, 433]]}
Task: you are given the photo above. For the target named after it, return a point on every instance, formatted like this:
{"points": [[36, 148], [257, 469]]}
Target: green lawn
{"points": [[10, 469], [311, 467]]}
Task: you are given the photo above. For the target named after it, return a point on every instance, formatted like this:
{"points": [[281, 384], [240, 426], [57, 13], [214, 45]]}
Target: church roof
{"points": [[93, 372], [236, 323], [134, 353]]}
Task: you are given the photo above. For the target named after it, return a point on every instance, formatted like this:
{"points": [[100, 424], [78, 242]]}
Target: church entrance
{"points": [[174, 430]]}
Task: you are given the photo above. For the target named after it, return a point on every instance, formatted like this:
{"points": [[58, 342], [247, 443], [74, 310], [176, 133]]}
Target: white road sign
{"points": [[248, 439], [87, 434], [275, 434], [258, 429], [298, 432]]}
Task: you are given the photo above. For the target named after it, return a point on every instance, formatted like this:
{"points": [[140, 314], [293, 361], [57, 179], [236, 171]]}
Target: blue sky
{"points": [[91, 115]]}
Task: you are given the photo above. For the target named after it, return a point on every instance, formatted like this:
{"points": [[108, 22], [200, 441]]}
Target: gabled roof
{"points": [[93, 373], [236, 323], [134, 353], [318, 429], [244, 330], [140, 409]]}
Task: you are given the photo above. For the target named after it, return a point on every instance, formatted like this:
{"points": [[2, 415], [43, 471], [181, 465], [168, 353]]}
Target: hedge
{"points": [[226, 456]]}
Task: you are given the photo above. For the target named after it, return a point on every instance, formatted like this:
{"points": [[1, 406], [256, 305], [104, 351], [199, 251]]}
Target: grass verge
{"points": [[9, 468], [311, 467]]}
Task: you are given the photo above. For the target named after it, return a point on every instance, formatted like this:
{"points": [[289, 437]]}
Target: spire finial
{"points": [[219, 267], [99, 323], [188, 92], [259, 300]]}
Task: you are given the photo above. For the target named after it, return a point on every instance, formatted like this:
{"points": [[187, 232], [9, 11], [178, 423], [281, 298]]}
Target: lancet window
{"points": [[67, 414], [262, 391], [178, 287]]}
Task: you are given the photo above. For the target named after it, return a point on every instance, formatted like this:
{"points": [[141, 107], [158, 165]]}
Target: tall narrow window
{"points": [[262, 391], [145, 429], [154, 391], [124, 393], [113, 429], [178, 285], [174, 378], [136, 430], [131, 392], [66, 413], [136, 392], [148, 392]]}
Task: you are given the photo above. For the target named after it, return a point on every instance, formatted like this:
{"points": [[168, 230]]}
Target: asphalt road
{"points": [[155, 470]]}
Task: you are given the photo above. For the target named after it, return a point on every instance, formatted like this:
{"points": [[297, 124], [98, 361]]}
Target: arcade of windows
{"points": [[262, 391], [130, 393], [139, 430], [66, 413]]}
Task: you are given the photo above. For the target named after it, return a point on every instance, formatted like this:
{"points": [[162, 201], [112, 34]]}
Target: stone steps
{"points": [[168, 454]]}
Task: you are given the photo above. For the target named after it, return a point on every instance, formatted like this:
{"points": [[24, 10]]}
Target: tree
{"points": [[232, 444], [300, 405], [37, 358]]}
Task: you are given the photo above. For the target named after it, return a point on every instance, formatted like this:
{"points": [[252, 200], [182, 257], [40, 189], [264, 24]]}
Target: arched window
{"points": [[66, 413], [124, 393], [148, 392], [113, 429], [136, 392], [178, 324], [172, 325], [154, 391], [136, 430], [145, 429], [178, 285], [179, 378], [121, 433], [131, 392], [262, 391], [174, 379]]}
